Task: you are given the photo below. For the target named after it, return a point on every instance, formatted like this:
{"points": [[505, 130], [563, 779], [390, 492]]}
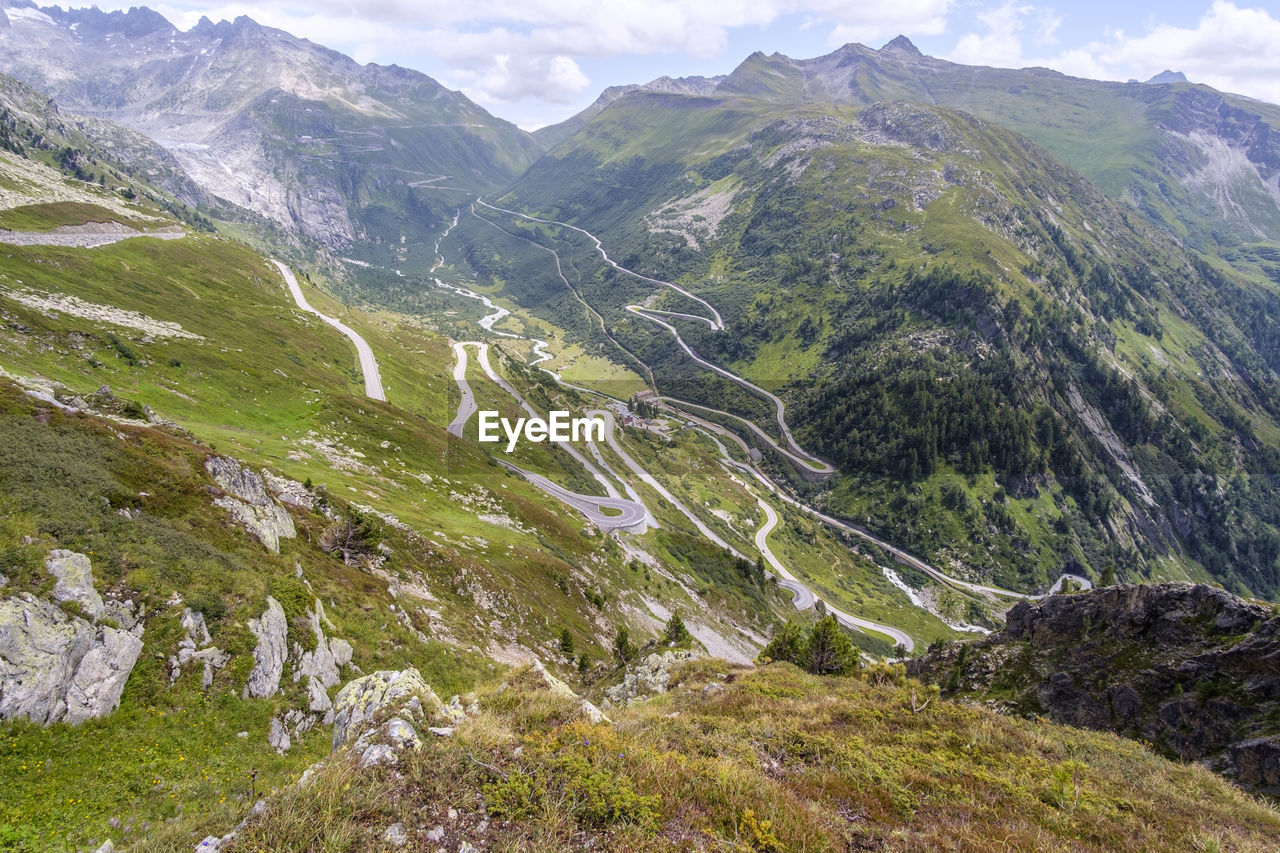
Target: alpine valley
{"points": [[875, 347]]}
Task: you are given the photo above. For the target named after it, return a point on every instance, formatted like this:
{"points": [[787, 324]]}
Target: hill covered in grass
{"points": [[766, 759]]}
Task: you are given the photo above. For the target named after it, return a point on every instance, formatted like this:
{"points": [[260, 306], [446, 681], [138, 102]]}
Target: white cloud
{"points": [[1231, 48], [507, 78], [1001, 44]]}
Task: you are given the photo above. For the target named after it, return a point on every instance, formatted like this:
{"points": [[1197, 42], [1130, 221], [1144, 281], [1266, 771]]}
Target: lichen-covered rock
{"points": [[249, 503], [57, 667], [272, 631], [74, 575], [648, 678], [401, 693]]}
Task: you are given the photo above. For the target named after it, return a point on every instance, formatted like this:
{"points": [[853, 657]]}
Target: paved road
{"points": [[717, 323], [792, 448], [649, 479], [467, 407], [804, 597], [368, 364], [607, 513]]}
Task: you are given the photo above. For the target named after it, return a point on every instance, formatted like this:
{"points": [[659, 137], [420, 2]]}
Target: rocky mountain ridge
{"points": [[1202, 164], [1191, 669], [297, 133]]}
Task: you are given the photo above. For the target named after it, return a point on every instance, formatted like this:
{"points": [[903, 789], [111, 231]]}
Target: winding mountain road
{"points": [[653, 483], [717, 323], [607, 513], [368, 364], [802, 595]]}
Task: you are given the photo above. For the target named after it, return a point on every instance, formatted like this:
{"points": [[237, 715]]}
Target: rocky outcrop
{"points": [[1191, 669], [378, 716], [272, 631], [321, 666], [361, 702], [56, 667], [540, 678], [648, 678], [197, 646], [74, 575], [248, 502]]}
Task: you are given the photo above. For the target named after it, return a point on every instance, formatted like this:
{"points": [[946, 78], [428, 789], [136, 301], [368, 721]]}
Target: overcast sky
{"points": [[536, 62]]}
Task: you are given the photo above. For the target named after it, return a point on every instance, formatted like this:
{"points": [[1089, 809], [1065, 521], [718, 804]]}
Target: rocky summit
{"points": [[1192, 670]]}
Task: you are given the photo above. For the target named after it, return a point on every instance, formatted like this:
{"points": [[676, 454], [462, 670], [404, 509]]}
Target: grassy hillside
{"points": [[768, 760]]}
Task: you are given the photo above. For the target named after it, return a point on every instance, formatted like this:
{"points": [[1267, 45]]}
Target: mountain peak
{"points": [[1168, 76], [902, 44]]}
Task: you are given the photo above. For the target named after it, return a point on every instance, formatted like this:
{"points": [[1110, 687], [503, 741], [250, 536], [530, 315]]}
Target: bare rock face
{"points": [[55, 667], [272, 631], [74, 575], [1191, 669], [249, 504]]}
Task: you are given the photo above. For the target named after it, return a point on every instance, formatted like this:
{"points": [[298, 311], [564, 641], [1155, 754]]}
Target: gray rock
{"points": [[278, 736], [648, 678], [402, 692], [99, 680], [108, 846], [321, 666], [210, 844], [57, 667], [123, 613], [434, 835], [378, 755], [249, 503], [400, 734], [395, 835], [75, 580], [272, 631], [211, 657], [1256, 762]]}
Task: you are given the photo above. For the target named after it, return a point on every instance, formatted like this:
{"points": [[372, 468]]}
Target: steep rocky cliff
{"points": [[1191, 669]]}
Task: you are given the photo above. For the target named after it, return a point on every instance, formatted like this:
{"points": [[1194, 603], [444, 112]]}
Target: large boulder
{"points": [[74, 574], [272, 631], [647, 678], [248, 502], [58, 667], [399, 693]]}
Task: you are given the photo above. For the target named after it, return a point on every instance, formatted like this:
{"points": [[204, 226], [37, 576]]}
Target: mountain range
{"points": [[883, 343]]}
